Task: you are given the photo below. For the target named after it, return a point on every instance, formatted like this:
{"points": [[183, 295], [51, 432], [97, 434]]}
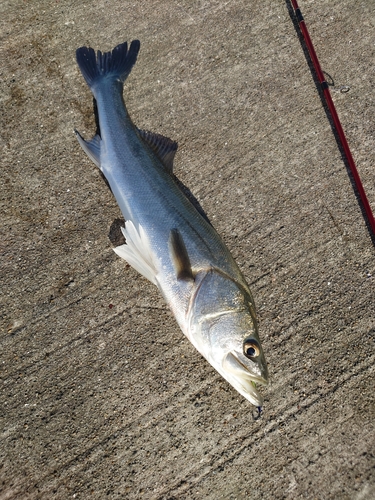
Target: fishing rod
{"points": [[334, 115]]}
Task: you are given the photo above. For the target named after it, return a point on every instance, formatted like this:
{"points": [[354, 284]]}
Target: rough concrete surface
{"points": [[101, 395]]}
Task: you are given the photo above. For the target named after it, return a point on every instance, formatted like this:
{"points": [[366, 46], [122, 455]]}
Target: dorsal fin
{"points": [[163, 147], [180, 257]]}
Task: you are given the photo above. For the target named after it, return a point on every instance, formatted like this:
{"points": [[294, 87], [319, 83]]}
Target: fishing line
{"points": [[334, 115]]}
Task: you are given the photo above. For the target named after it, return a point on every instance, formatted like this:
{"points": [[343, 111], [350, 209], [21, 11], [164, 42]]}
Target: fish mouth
{"points": [[244, 377]]}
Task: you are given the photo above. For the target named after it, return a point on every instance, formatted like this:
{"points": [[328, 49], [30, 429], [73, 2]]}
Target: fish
{"points": [[167, 238]]}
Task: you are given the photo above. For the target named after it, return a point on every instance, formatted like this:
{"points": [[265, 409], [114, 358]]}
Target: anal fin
{"points": [[180, 257], [91, 148]]}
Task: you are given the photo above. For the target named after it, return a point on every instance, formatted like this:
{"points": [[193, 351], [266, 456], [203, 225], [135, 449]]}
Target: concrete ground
{"points": [[101, 395]]}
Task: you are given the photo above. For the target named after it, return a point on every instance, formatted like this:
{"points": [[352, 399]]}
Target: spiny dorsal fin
{"points": [[163, 147], [180, 257]]}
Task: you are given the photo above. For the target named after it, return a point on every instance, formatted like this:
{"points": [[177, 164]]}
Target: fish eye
{"points": [[251, 349]]}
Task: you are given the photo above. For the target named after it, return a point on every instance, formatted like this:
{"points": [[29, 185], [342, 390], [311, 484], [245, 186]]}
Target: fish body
{"points": [[167, 239]]}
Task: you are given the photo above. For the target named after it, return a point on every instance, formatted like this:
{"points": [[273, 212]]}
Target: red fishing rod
{"points": [[335, 118]]}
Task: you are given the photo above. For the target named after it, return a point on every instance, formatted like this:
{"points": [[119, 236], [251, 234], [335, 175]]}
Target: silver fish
{"points": [[168, 240]]}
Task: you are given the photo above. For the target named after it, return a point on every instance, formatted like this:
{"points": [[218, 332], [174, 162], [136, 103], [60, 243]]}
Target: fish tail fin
{"points": [[116, 64]]}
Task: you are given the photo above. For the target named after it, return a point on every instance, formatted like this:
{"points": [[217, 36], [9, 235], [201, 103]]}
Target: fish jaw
{"points": [[242, 379], [221, 322], [237, 364]]}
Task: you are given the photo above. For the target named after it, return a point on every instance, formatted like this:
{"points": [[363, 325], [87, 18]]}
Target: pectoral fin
{"points": [[180, 257]]}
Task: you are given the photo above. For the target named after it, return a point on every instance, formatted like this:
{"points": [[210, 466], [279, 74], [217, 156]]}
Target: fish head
{"points": [[223, 327]]}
